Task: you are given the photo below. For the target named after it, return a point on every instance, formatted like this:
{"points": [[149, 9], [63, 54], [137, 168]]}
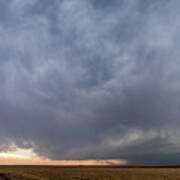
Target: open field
{"points": [[87, 173]]}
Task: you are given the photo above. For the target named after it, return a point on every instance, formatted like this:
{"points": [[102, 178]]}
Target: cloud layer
{"points": [[91, 79]]}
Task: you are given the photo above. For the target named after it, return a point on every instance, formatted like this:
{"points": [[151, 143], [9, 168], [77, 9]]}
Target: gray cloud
{"points": [[91, 79]]}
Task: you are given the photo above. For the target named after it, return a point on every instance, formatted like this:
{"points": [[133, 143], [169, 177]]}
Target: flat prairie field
{"points": [[88, 173]]}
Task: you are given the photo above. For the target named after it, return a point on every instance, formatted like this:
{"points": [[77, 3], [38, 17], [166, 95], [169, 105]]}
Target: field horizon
{"points": [[50, 172]]}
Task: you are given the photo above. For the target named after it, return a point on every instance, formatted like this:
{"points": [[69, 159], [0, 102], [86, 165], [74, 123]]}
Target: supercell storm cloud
{"points": [[91, 79]]}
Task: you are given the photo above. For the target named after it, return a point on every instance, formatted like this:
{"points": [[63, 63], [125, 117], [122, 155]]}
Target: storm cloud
{"points": [[91, 79]]}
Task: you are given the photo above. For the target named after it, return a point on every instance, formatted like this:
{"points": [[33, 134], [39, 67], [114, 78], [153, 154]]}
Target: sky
{"points": [[93, 80]]}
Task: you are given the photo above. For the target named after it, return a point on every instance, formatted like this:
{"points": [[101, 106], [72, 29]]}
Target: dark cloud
{"points": [[91, 79], [106, 5]]}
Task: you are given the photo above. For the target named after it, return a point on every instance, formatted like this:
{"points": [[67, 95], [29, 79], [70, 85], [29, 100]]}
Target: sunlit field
{"points": [[87, 173]]}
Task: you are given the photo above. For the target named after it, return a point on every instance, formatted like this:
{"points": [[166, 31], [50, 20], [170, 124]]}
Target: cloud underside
{"points": [[91, 79]]}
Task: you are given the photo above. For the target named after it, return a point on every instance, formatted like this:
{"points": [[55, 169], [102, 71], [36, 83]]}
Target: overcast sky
{"points": [[91, 79]]}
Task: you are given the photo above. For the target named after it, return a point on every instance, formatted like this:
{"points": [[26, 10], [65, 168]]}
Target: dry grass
{"points": [[89, 173]]}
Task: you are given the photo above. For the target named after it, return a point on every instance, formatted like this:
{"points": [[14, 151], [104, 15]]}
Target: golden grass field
{"points": [[87, 173]]}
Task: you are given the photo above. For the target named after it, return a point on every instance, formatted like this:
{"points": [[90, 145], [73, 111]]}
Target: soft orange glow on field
{"points": [[28, 157]]}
